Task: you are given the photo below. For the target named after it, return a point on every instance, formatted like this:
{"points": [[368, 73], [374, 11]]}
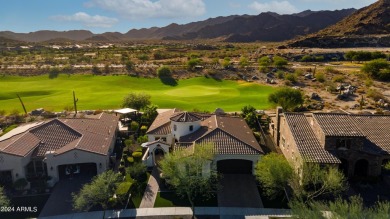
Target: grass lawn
{"points": [[170, 199], [107, 92]]}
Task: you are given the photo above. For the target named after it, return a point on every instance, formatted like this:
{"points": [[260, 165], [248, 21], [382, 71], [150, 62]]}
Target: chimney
{"points": [[279, 110]]}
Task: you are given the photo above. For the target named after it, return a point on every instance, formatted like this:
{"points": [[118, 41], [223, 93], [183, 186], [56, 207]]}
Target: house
{"points": [[236, 149], [58, 148], [359, 145]]}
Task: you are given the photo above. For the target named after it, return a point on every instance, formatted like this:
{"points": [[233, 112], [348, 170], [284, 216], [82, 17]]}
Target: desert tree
{"points": [[186, 171], [136, 101]]}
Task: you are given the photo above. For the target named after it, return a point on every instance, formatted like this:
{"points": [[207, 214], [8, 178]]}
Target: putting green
{"points": [[107, 92]]}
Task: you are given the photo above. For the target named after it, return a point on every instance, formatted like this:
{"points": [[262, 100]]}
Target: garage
{"points": [[234, 166], [73, 170]]}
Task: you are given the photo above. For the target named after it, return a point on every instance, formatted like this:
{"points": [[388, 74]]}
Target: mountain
{"points": [[176, 29], [236, 28], [46, 35], [369, 26], [268, 26]]}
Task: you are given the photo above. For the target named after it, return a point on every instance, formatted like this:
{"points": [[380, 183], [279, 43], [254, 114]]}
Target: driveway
{"points": [[239, 190], [60, 201]]}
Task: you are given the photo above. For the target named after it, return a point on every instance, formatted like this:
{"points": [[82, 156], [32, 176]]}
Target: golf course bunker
{"points": [[194, 91]]}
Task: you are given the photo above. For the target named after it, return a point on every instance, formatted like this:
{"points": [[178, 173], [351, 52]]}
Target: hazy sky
{"points": [[121, 15]]}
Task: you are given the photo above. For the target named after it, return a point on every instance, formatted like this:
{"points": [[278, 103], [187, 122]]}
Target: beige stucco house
{"points": [[58, 148], [236, 149]]}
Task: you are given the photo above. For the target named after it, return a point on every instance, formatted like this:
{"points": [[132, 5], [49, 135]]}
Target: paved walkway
{"points": [[178, 211], [151, 190], [239, 190]]}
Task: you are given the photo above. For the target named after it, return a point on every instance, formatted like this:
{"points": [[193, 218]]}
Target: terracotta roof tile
{"points": [[161, 120], [307, 143], [334, 124], [230, 135], [376, 128], [62, 135]]}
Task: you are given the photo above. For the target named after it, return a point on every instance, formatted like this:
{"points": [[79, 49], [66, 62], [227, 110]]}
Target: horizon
{"points": [[100, 16]]}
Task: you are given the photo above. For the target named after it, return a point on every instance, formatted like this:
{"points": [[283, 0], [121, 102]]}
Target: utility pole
{"points": [[75, 100], [24, 108]]}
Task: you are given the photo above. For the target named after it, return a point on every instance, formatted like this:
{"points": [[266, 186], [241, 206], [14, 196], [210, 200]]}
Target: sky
{"points": [[100, 16]]}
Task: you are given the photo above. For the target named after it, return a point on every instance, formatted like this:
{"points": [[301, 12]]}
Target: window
{"points": [[191, 128], [343, 143], [174, 127], [164, 139]]}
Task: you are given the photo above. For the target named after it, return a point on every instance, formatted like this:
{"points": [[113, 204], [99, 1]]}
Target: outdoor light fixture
{"points": [[100, 165], [17, 175], [51, 168]]}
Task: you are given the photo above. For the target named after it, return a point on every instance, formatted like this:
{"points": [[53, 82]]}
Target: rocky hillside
{"points": [[268, 26], [369, 26]]}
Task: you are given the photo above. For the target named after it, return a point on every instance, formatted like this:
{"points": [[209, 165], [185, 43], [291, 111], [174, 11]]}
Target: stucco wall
{"points": [[15, 164], [183, 128]]}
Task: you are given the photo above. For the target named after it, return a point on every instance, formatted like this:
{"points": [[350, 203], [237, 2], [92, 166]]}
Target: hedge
{"points": [[137, 156]]}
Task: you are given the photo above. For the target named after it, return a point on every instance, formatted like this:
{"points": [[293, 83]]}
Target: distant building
{"points": [[358, 145], [58, 148], [237, 150]]}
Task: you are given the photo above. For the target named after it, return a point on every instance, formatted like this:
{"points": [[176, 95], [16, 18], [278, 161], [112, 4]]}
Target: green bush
{"points": [[291, 77], [375, 94], [338, 78], [137, 171], [164, 71], [320, 77], [124, 156], [142, 139], [130, 160], [128, 142], [123, 189], [143, 129], [134, 126], [137, 156]]}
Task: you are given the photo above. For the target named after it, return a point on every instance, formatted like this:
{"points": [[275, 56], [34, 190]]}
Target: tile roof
{"points": [[231, 135], [185, 117], [53, 135], [162, 119], [334, 124], [307, 143], [62, 135], [376, 128]]}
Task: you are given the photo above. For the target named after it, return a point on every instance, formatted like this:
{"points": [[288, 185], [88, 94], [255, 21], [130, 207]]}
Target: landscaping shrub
{"points": [[142, 139], [137, 171], [122, 169], [130, 160], [134, 126], [137, 156], [143, 129], [123, 189], [291, 77]]}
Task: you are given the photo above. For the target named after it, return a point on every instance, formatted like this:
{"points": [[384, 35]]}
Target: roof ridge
{"points": [[226, 132], [56, 119]]}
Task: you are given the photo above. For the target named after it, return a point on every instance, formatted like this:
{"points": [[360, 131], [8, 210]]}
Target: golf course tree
{"points": [[286, 97], [315, 182], [98, 192], [136, 101], [274, 174], [353, 208], [4, 201], [187, 171], [164, 71], [249, 114]]}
